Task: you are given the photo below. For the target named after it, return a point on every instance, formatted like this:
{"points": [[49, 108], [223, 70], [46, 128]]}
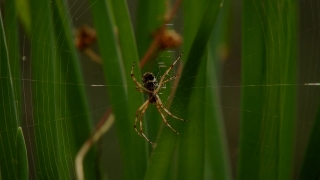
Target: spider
{"points": [[151, 87]]}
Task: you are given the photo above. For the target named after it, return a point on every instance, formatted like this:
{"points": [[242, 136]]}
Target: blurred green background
{"points": [[243, 87]]}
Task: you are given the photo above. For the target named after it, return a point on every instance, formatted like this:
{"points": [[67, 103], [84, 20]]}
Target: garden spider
{"points": [[151, 87]]}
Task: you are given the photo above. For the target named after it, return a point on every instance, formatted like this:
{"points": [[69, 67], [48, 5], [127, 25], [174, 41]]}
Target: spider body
{"points": [[150, 83], [151, 87]]}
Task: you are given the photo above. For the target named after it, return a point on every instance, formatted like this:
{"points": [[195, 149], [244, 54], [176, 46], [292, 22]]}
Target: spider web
{"points": [[308, 84]]}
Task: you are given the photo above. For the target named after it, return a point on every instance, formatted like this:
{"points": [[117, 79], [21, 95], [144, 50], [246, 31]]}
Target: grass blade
{"points": [[22, 158], [311, 165], [194, 14], [150, 17], [248, 164], [23, 10], [8, 112], [11, 26], [216, 143], [43, 64], [76, 128], [269, 57], [115, 75], [210, 138], [129, 54], [161, 158], [193, 134], [218, 162]]}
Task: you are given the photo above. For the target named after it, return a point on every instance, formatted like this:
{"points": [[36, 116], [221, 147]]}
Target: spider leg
{"points": [[141, 127], [137, 115], [167, 111], [166, 74], [164, 119], [139, 89], [136, 82], [169, 79]]}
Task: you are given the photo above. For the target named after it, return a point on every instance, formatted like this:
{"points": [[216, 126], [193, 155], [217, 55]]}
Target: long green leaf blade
{"points": [[23, 10], [193, 167], [22, 157], [192, 142], [210, 138], [11, 29], [115, 75], [161, 158], [43, 63], [252, 41], [269, 54], [311, 165], [129, 53], [150, 17], [216, 142], [218, 162], [76, 126], [8, 112]]}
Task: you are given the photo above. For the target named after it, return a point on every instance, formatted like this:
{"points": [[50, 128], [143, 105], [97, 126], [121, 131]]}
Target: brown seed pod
{"points": [[169, 39], [85, 37]]}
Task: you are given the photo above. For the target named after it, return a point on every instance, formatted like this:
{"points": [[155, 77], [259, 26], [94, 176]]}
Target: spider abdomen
{"points": [[149, 81]]}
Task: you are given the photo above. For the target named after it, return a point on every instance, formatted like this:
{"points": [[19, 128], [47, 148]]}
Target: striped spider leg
{"points": [[159, 106], [166, 74], [169, 79], [167, 111], [136, 82], [141, 111]]}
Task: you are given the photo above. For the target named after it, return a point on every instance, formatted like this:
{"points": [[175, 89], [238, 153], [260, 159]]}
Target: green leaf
{"points": [[45, 109], [220, 37], [161, 157], [193, 167], [11, 29], [206, 135], [8, 112], [22, 157], [217, 156], [132, 146], [215, 138], [192, 142], [268, 57], [129, 54], [150, 17], [23, 10], [311, 165], [76, 125]]}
